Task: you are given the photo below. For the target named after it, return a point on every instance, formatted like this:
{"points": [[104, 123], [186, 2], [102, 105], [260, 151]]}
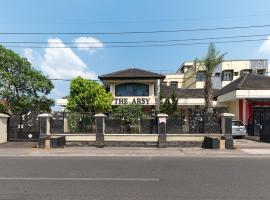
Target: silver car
{"points": [[238, 128]]}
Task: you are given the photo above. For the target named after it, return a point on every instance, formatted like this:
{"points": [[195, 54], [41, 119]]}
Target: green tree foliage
{"points": [[22, 87], [129, 113], [88, 96], [209, 63], [170, 105]]}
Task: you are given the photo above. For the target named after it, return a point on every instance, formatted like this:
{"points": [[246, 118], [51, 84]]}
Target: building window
{"points": [[227, 75], [132, 89], [217, 74], [174, 84], [261, 71], [235, 73], [201, 76], [245, 71]]}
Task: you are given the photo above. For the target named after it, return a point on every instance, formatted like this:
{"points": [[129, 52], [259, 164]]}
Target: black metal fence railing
{"points": [[142, 126], [113, 126], [72, 122], [194, 123], [26, 126], [149, 126], [23, 126]]}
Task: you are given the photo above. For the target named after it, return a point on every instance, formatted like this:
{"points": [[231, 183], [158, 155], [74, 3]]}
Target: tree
{"points": [[170, 105], [129, 113], [212, 59], [22, 88], [88, 96]]}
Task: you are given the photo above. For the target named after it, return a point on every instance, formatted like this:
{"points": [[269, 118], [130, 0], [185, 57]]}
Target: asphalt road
{"points": [[148, 178]]}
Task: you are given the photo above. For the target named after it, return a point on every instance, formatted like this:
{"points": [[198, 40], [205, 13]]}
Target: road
{"points": [[131, 178]]}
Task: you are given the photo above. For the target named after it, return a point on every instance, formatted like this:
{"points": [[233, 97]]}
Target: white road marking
{"points": [[78, 179]]}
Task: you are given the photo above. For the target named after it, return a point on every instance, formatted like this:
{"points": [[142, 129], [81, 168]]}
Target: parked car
{"points": [[238, 129]]}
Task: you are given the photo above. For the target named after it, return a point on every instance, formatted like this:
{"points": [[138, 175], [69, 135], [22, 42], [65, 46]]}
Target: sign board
{"points": [[134, 100]]}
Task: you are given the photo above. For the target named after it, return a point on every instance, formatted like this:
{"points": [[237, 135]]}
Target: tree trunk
{"points": [[208, 96]]}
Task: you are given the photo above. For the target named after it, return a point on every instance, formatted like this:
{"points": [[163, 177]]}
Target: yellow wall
{"points": [[233, 107]]}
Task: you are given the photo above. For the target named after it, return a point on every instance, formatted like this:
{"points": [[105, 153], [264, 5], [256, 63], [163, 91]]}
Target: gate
{"points": [[259, 124], [265, 128], [23, 127]]}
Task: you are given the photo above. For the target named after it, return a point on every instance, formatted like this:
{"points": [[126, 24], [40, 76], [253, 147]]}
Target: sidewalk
{"points": [[244, 148], [129, 152]]}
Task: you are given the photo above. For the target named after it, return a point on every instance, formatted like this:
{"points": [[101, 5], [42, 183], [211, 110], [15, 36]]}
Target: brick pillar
{"points": [[162, 136], [45, 124], [3, 127], [100, 129]]}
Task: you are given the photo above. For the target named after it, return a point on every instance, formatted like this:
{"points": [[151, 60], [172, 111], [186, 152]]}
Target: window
{"points": [[261, 71], [132, 89], [201, 76], [217, 74], [245, 71], [235, 73], [227, 75], [174, 84]]}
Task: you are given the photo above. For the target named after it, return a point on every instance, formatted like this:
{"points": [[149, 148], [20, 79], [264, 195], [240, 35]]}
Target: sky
{"points": [[83, 16]]}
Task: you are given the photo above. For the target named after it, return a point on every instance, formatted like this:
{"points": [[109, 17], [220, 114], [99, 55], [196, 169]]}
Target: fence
{"points": [[72, 122], [26, 126], [23, 126], [118, 126]]}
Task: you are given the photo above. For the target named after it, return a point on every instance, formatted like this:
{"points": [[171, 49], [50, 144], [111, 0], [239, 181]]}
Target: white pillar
{"points": [[45, 123], [3, 127]]}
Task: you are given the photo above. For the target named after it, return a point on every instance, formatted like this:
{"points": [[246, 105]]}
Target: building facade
{"points": [[241, 87], [191, 77]]}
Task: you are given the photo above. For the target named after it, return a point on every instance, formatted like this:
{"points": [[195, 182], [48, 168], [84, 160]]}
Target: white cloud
{"points": [[88, 44], [28, 53], [265, 47], [63, 62]]}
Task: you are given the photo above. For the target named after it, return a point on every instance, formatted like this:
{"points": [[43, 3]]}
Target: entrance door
{"points": [[257, 122], [265, 128], [261, 123]]}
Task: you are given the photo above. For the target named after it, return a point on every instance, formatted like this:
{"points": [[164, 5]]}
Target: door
{"points": [[265, 125], [257, 122]]}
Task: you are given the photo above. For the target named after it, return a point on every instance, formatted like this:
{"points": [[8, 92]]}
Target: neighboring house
{"points": [[248, 98], [188, 76]]}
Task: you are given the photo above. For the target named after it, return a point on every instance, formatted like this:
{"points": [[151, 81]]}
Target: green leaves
{"points": [[170, 105], [22, 87], [88, 96], [129, 113], [209, 63]]}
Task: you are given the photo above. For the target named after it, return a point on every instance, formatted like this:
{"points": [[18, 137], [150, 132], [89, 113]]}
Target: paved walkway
{"points": [[243, 148]]}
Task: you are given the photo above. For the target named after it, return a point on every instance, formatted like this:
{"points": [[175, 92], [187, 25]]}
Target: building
{"points": [[245, 92], [188, 76], [248, 98], [134, 85]]}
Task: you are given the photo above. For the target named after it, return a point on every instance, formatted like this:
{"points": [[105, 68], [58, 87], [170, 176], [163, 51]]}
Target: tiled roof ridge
{"points": [[239, 86]]}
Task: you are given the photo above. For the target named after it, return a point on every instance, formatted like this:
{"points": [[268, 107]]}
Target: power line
{"points": [[59, 79], [136, 42], [134, 32], [138, 46]]}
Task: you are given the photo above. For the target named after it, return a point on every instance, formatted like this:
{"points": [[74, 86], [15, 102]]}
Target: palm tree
{"points": [[212, 59]]}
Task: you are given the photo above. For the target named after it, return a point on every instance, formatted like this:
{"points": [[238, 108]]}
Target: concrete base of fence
{"points": [[79, 137], [132, 140]]}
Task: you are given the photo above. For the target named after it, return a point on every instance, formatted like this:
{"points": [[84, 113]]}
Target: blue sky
{"points": [[123, 15]]}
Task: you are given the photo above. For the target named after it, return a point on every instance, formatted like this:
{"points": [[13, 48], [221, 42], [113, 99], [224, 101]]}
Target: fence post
{"points": [[100, 129], [226, 124], [162, 132], [3, 127], [45, 123]]}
